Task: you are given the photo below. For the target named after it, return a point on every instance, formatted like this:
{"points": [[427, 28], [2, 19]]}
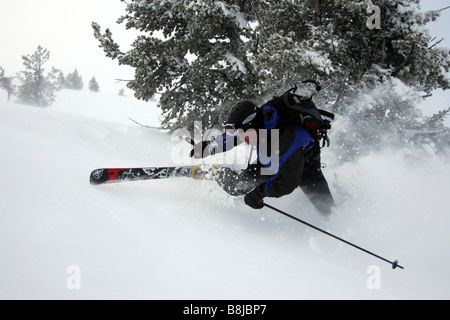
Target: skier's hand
{"points": [[254, 200]]}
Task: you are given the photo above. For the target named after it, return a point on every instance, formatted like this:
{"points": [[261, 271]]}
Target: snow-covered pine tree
{"points": [[330, 41], [6, 83], [93, 85], [383, 73], [61, 80], [195, 53], [37, 88], [374, 78], [74, 81], [203, 54]]}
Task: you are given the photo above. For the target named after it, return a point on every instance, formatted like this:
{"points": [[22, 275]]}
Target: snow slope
{"points": [[186, 239]]}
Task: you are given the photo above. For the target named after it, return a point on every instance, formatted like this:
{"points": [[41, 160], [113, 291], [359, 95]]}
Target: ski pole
{"points": [[394, 264]]}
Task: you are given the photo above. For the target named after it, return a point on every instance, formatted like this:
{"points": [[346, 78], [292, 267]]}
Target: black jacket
{"points": [[285, 167]]}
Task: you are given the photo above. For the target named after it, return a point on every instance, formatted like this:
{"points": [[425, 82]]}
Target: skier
{"points": [[276, 173]]}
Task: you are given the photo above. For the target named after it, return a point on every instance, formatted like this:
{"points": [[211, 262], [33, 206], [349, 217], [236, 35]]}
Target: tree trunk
{"points": [[317, 13]]}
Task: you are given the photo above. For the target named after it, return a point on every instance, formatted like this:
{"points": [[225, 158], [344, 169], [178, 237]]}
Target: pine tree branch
{"points": [[144, 125], [440, 115], [121, 80], [436, 43], [440, 10], [260, 22]]}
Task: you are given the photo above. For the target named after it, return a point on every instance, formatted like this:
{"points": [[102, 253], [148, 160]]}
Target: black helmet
{"points": [[243, 115]]}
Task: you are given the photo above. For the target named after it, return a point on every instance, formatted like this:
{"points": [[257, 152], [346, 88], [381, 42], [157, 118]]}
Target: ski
{"points": [[115, 175]]}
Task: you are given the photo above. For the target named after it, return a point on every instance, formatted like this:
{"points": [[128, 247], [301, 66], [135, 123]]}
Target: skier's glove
{"points": [[254, 200], [203, 149]]}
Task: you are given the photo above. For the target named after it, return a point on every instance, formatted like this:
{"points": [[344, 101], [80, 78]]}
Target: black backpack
{"points": [[301, 110]]}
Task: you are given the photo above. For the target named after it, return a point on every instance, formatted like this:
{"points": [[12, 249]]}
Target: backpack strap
{"points": [[302, 105]]}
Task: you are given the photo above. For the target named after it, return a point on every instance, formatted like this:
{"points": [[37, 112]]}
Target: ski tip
{"points": [[98, 176]]}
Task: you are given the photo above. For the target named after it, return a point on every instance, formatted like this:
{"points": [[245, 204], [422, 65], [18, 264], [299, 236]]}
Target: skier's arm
{"points": [[221, 143], [226, 142]]}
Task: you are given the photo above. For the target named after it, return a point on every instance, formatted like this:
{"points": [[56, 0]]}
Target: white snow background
{"points": [[187, 239]]}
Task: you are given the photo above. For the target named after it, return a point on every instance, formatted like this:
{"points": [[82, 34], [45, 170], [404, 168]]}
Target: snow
{"points": [[186, 239], [232, 12], [236, 63]]}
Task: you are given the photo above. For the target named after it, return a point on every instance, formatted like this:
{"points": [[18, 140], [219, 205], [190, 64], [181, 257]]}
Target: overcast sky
{"points": [[64, 28]]}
